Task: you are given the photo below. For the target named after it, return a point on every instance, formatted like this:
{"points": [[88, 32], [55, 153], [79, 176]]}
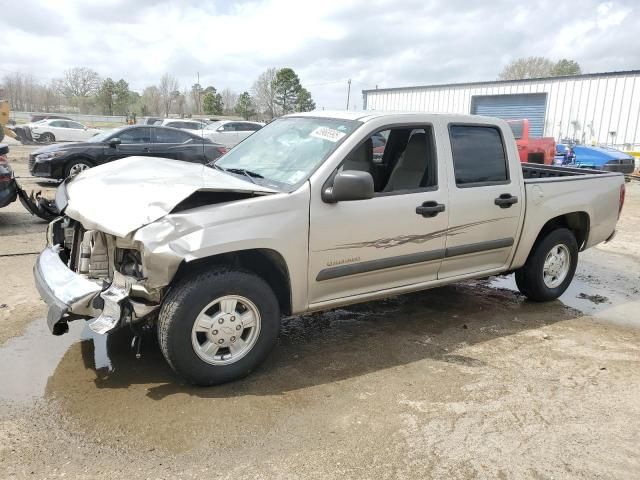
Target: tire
{"points": [[531, 279], [76, 166], [184, 347], [47, 137]]}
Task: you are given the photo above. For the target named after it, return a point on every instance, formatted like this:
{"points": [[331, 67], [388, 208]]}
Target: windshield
{"points": [[284, 153], [101, 137]]}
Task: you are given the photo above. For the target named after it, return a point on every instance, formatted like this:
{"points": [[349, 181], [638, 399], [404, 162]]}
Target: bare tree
{"points": [[78, 84], [264, 92], [167, 88], [151, 98], [229, 100], [530, 67]]}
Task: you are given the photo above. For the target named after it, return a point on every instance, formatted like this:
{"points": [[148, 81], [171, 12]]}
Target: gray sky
{"points": [[384, 43]]}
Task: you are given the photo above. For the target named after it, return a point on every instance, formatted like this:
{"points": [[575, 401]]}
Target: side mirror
{"points": [[114, 142], [349, 185]]}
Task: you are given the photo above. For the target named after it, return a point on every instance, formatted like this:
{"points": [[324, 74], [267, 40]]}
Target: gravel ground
{"points": [[464, 381]]}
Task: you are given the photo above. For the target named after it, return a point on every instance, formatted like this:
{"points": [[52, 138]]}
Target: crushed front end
{"points": [[92, 275]]}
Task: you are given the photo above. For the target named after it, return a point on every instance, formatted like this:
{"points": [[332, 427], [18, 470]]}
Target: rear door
{"points": [[170, 143], [485, 201]]}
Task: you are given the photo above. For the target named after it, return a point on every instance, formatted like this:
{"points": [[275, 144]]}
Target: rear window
{"points": [[478, 155]]}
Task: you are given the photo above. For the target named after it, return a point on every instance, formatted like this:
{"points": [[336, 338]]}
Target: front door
{"points": [[133, 141], [485, 202], [396, 238]]}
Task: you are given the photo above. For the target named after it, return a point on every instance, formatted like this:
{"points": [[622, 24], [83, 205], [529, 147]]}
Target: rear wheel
{"points": [[218, 326], [550, 266]]}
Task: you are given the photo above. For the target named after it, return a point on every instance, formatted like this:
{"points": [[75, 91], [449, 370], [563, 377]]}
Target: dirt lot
{"points": [[465, 381]]}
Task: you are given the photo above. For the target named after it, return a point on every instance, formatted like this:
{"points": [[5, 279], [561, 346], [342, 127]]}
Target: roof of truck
{"points": [[365, 116]]}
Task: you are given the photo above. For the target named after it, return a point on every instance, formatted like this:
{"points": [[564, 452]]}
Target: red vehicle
{"points": [[532, 149]]}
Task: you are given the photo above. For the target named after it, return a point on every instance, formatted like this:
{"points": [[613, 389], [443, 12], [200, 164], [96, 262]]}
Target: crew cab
{"points": [[532, 149], [299, 217]]}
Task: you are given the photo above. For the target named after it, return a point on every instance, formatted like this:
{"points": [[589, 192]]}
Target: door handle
{"points": [[430, 209], [145, 149], [505, 200]]}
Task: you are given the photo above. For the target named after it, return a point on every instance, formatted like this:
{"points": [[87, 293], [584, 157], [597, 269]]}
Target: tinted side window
{"points": [[164, 135], [58, 123], [75, 125], [229, 127], [251, 127], [136, 135], [478, 154]]}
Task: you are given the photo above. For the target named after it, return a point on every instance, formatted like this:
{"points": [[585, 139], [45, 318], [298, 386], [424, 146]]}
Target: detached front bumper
{"points": [[67, 294]]}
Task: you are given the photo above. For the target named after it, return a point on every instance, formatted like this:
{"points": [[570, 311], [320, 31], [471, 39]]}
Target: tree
{"points": [[106, 95], [287, 86], [244, 105], [122, 97], [229, 100], [264, 92], [566, 67], [168, 85], [78, 84], [537, 67], [196, 97], [212, 101], [151, 99], [304, 102]]}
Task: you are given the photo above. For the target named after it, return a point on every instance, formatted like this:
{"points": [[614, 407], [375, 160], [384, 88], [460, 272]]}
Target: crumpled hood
{"points": [[122, 196]]}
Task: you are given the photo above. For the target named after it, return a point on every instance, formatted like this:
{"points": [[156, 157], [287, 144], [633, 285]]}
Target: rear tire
{"points": [[550, 266], [205, 322]]}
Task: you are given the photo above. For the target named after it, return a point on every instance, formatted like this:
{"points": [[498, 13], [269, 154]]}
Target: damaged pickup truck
{"points": [[302, 216]]}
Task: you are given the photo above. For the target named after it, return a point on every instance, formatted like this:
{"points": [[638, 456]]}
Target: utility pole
{"points": [[199, 88], [348, 92]]}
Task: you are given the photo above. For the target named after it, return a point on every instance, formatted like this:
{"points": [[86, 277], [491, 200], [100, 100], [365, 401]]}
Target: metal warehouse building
{"points": [[602, 108]]}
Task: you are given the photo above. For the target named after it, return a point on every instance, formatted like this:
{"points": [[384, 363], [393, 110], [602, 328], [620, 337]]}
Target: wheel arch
{"points": [[267, 263], [578, 223]]}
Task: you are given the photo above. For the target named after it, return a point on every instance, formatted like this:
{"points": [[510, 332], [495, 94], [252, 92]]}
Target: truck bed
{"points": [[532, 171]]}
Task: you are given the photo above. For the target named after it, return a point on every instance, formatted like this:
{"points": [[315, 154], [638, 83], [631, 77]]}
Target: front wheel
{"points": [[218, 326], [550, 266], [74, 167]]}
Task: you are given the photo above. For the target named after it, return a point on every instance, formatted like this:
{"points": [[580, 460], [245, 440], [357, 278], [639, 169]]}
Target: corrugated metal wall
{"points": [[514, 107], [586, 107]]}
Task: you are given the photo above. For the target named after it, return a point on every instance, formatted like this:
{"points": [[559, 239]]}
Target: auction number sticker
{"points": [[326, 133]]}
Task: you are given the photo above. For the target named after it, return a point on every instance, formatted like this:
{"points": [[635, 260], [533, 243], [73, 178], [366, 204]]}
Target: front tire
{"points": [[218, 326], [550, 266], [74, 167], [47, 137]]}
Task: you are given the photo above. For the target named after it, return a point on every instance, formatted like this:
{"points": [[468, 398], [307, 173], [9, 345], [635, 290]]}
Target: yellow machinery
{"points": [[4, 121]]}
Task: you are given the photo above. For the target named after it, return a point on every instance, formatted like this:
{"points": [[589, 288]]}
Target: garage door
{"points": [[513, 107]]}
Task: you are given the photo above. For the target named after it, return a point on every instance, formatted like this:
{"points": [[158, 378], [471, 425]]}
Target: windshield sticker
{"points": [[326, 133]]}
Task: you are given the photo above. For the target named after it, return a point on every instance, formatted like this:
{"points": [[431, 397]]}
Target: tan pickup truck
{"points": [[302, 216]]}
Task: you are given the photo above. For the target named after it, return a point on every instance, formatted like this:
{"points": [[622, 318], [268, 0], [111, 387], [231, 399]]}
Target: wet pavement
{"points": [[464, 381]]}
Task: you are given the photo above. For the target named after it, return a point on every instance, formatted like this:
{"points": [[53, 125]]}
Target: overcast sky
{"points": [[384, 43]]}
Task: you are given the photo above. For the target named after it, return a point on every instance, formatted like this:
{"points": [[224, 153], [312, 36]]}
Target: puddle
{"points": [[28, 361]]}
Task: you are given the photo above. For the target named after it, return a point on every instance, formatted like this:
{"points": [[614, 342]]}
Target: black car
{"points": [[8, 191], [61, 160]]}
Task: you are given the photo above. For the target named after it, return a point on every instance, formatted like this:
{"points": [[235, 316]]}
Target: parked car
{"points": [[230, 132], [532, 149], [603, 158], [61, 160], [47, 116], [298, 218], [10, 191], [191, 125], [56, 130], [148, 120]]}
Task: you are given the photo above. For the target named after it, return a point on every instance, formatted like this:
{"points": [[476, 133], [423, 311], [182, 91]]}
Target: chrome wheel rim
{"points": [[226, 330], [77, 168], [556, 266]]}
